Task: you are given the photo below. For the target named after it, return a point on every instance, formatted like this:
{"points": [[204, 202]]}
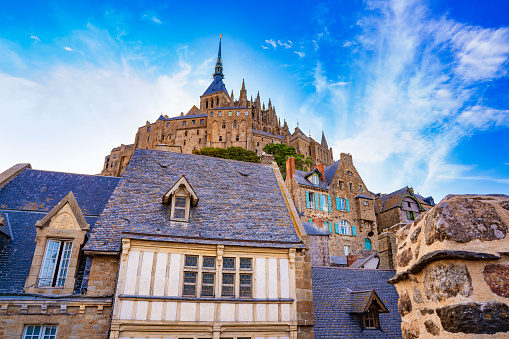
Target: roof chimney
{"points": [[321, 168], [267, 159], [350, 259], [318, 221], [290, 167]]}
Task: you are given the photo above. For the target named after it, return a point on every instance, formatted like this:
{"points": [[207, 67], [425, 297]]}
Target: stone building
{"points": [[207, 248], [453, 269], [336, 197], [49, 287], [393, 211], [221, 120]]}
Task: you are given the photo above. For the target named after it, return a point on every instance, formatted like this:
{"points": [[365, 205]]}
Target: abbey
{"points": [[221, 121]]}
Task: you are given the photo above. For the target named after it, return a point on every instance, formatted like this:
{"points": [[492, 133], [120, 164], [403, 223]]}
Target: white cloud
{"points": [[35, 37], [272, 43], [285, 44], [69, 49], [300, 54], [265, 47], [152, 17]]}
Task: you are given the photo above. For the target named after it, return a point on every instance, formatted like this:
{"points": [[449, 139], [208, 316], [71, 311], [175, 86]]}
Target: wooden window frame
{"points": [[368, 320], [188, 204]]}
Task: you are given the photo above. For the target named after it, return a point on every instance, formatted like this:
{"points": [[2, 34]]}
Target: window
{"points": [[184, 123], [223, 125], [351, 187], [185, 133], [238, 113], [167, 124], [197, 132], [311, 200], [199, 141], [219, 113], [365, 203], [184, 142], [179, 208], [115, 156], [211, 114], [340, 184], [410, 215], [347, 249], [55, 263], [360, 188], [217, 102], [193, 122], [202, 121], [247, 113], [315, 179], [220, 138], [349, 172], [40, 332], [371, 318], [237, 138], [234, 124], [230, 113], [257, 144], [345, 228], [367, 243], [408, 204], [245, 277], [148, 128], [148, 139]]}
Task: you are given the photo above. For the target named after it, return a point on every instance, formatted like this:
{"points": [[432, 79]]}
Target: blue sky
{"points": [[416, 91]]}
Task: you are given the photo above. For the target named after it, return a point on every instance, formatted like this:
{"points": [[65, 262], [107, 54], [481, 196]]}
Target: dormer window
{"points": [[315, 179], [371, 318], [180, 197]]}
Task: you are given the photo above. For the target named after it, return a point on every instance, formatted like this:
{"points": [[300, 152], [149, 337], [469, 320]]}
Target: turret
{"points": [[243, 95], [219, 63], [232, 102]]}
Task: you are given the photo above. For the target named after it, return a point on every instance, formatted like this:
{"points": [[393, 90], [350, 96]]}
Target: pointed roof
{"points": [[187, 186], [324, 141], [360, 301], [395, 199], [218, 71], [217, 84], [194, 110], [76, 210]]}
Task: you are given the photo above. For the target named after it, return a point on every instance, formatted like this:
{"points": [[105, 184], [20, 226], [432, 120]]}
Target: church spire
{"points": [[219, 63]]}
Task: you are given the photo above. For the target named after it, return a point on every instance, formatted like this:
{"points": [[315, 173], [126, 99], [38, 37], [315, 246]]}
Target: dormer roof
{"points": [[182, 182], [361, 301], [71, 200]]}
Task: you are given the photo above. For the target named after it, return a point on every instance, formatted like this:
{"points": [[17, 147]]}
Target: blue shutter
{"points": [[347, 205], [336, 227], [330, 204], [354, 231], [320, 204], [330, 228], [317, 202], [367, 244], [337, 203], [310, 220], [307, 199]]}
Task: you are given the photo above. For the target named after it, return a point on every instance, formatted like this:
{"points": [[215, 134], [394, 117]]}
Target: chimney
{"points": [[267, 159], [290, 167], [318, 221], [350, 259], [321, 168]]}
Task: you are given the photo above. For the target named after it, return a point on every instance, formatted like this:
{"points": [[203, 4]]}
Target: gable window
{"points": [[179, 209], [40, 332], [340, 184], [408, 204], [55, 263], [410, 215], [315, 179], [370, 318]]}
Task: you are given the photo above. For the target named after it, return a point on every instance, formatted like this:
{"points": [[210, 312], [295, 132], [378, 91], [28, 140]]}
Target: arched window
{"points": [[223, 125], [217, 102], [367, 243], [234, 124]]}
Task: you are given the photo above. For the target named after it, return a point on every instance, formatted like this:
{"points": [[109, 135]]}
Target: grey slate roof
{"points": [[363, 196], [331, 302], [228, 107], [268, 134], [215, 86], [338, 260], [330, 171], [191, 116], [239, 203], [27, 199], [357, 301], [312, 229], [300, 176]]}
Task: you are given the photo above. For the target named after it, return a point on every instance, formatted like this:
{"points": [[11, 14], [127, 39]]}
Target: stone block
{"points": [[446, 281], [497, 278]]}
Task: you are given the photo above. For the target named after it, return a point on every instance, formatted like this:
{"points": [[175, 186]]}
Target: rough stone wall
{"points": [[103, 276], [73, 323], [304, 292], [388, 218], [319, 250], [453, 270]]}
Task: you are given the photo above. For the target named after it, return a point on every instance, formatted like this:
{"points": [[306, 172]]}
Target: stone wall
{"points": [[453, 270], [304, 292], [319, 250], [73, 322], [103, 276]]}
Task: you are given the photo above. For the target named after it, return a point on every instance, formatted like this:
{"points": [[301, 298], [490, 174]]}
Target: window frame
{"points": [[58, 268], [187, 207], [374, 319], [41, 334]]}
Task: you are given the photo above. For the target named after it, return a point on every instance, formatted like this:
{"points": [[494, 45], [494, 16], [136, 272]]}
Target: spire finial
{"points": [[218, 71]]}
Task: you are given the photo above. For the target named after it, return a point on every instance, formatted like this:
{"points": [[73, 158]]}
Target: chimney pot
{"points": [[350, 259]]}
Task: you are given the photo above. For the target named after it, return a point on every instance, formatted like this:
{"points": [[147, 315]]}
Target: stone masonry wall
{"points": [[304, 292], [453, 270], [319, 250], [103, 276], [89, 322]]}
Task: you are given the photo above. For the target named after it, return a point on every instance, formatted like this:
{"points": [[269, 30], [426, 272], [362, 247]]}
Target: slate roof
{"points": [[331, 302], [363, 196], [191, 116], [394, 199], [330, 171], [300, 177], [228, 107], [268, 134], [215, 86], [312, 229], [239, 203], [338, 260], [359, 263], [27, 199], [357, 301]]}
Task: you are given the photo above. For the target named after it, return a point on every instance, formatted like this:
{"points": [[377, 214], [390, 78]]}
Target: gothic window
{"points": [[234, 124], [197, 132], [206, 104], [211, 114], [217, 101], [223, 125]]}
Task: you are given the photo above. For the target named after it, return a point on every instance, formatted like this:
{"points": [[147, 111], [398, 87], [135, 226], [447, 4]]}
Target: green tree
{"points": [[282, 152], [235, 153]]}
